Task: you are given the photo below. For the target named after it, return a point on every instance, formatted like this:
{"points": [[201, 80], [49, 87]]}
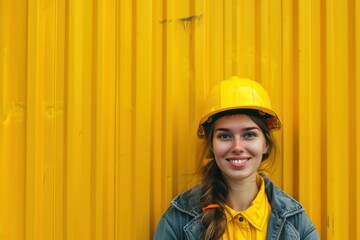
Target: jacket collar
{"points": [[281, 204]]}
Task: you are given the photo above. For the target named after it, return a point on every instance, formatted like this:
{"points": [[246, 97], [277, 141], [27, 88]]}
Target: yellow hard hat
{"points": [[238, 93]]}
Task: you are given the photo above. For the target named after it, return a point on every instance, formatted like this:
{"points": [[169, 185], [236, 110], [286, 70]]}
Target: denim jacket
{"points": [[288, 220]]}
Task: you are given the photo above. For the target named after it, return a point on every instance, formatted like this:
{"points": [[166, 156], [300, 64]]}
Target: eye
{"points": [[224, 136], [250, 135]]}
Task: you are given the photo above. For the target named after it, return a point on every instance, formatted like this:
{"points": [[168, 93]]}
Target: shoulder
{"points": [[281, 203], [188, 202], [182, 215], [286, 210]]}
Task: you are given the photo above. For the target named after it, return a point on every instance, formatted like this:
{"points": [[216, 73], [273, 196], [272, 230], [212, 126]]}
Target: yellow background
{"points": [[99, 106]]}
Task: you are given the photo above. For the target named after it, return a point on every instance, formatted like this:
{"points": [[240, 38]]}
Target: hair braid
{"points": [[214, 190]]}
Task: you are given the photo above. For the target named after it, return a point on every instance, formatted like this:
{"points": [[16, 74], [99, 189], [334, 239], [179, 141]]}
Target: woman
{"points": [[234, 200]]}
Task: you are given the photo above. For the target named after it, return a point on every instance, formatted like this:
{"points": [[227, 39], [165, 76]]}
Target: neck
{"points": [[241, 193]]}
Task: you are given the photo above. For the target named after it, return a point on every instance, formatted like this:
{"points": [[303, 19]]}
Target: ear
{"points": [[265, 148]]}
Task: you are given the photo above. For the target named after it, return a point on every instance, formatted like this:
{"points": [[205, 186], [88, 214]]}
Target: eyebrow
{"points": [[245, 129]]}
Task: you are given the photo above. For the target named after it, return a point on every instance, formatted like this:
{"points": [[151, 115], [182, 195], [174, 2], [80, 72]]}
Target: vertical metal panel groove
{"points": [[63, 190], [323, 150], [352, 119], [94, 64]]}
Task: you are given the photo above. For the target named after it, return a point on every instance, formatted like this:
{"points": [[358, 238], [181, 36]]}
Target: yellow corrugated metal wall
{"points": [[99, 102]]}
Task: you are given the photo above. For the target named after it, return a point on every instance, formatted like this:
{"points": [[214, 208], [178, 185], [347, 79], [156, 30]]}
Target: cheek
{"points": [[258, 148], [219, 149]]}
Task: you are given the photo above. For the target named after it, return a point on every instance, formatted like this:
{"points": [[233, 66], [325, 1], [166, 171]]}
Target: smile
{"points": [[238, 163], [237, 160]]}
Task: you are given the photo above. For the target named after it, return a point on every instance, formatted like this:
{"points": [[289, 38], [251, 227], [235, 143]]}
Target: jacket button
{"points": [[241, 219]]}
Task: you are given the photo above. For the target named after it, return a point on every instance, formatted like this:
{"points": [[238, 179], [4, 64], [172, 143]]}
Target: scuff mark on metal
{"points": [[165, 21], [186, 20]]}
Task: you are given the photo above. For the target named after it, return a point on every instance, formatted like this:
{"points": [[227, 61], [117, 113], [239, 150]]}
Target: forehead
{"points": [[235, 120]]}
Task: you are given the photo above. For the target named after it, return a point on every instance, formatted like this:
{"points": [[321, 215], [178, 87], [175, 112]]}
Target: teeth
{"points": [[238, 161]]}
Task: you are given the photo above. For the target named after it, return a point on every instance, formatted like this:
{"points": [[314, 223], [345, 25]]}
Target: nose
{"points": [[237, 145]]}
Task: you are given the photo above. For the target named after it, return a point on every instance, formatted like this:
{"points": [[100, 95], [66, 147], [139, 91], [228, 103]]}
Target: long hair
{"points": [[213, 185]]}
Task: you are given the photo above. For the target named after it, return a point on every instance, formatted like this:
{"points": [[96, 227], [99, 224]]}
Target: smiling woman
{"points": [[233, 200]]}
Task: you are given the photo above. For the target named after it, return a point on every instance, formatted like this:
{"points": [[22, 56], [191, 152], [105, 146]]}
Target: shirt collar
{"points": [[258, 211]]}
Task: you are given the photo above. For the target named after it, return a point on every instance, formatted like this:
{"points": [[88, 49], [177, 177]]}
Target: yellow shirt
{"points": [[250, 223]]}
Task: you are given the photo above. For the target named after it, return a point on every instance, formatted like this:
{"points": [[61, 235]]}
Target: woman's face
{"points": [[238, 145]]}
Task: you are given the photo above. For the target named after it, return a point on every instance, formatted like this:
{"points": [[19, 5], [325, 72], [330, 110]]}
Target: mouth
{"points": [[238, 163]]}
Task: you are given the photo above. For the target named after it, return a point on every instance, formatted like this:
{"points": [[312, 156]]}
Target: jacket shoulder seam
{"points": [[168, 220], [311, 230]]}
